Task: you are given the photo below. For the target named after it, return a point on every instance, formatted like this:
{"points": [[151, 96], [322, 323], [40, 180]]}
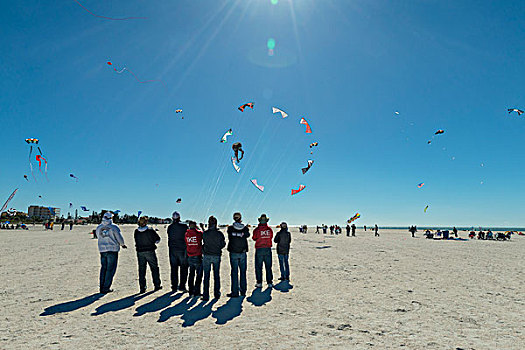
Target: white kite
{"points": [[277, 110], [260, 187], [224, 138], [235, 166]]}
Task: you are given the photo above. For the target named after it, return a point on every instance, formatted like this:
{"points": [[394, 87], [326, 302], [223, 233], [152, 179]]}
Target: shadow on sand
{"points": [[324, 247], [260, 297], [120, 304], [228, 311], [71, 305], [283, 286], [197, 313], [180, 309], [157, 304]]}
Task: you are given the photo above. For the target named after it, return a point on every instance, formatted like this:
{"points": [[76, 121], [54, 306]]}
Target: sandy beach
{"points": [[389, 292]]}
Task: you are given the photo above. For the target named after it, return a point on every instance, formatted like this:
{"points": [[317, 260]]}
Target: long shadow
{"points": [[120, 304], [324, 247], [177, 310], [197, 313], [260, 297], [228, 311], [283, 286], [71, 305], [157, 304]]}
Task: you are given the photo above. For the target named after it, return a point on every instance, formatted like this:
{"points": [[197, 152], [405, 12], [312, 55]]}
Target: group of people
{"points": [[335, 229], [193, 254], [6, 226], [489, 235]]}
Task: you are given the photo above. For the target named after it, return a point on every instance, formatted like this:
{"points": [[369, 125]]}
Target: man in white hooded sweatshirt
{"points": [[109, 242]]}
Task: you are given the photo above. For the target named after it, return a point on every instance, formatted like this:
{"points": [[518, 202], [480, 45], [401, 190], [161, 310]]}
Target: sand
{"points": [[389, 292]]}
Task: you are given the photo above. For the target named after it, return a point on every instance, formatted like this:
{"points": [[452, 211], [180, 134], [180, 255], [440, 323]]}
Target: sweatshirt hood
{"points": [[238, 225], [142, 229]]}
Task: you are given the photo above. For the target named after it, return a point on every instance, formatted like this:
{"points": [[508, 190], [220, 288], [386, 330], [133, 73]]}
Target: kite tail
{"points": [[39, 150], [32, 173]]}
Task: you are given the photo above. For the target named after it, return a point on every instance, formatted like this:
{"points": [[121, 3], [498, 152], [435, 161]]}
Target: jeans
{"points": [[238, 263], [144, 259], [194, 283], [263, 255], [207, 263], [178, 259], [283, 266], [108, 267]]}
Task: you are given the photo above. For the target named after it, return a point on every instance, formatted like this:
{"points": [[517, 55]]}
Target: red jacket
{"points": [[262, 236], [193, 239]]}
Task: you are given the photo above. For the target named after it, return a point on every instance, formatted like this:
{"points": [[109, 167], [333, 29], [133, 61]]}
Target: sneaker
{"points": [[182, 289], [157, 288], [270, 285], [142, 290], [191, 295], [205, 298], [106, 291], [217, 296], [174, 289], [258, 285], [231, 295], [243, 294]]}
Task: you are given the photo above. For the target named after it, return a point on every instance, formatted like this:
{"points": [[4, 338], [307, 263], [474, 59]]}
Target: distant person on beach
{"points": [[365, 227], [490, 235], [353, 230], [63, 225], [146, 240], [177, 253], [70, 226], [213, 242], [238, 235], [109, 242], [194, 250], [283, 238], [324, 229], [332, 229], [455, 230], [263, 235], [413, 230], [317, 229], [347, 230], [376, 231]]}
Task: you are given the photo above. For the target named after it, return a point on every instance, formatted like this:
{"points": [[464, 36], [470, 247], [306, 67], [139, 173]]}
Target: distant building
{"points": [[35, 211]]}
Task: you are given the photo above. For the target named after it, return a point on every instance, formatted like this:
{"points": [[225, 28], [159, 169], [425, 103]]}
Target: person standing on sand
{"points": [[213, 242], [353, 230], [70, 225], [365, 228], [177, 253], [262, 236], [413, 230], [146, 240], [109, 242], [324, 229], [283, 238], [238, 235], [63, 225], [194, 250], [455, 230], [347, 230], [376, 231], [317, 229]]}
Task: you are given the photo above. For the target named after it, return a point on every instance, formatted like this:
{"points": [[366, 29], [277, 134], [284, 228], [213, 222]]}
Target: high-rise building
{"points": [[35, 211]]}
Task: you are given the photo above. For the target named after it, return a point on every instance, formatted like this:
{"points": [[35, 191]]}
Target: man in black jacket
{"points": [[177, 251], [213, 242], [283, 238], [146, 240], [238, 235]]}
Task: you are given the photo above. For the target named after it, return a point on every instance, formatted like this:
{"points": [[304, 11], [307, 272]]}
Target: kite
{"points": [[178, 111], [421, 185], [74, 177], [519, 111], [425, 209], [277, 110], [11, 211], [84, 208], [8, 200], [260, 187], [116, 212], [235, 166], [179, 200], [25, 177], [429, 142], [249, 104], [301, 187], [111, 18], [134, 76], [396, 112], [40, 197], [310, 163], [439, 132], [224, 138], [304, 122], [314, 144], [236, 147], [39, 158], [31, 142], [354, 218], [140, 212], [70, 205]]}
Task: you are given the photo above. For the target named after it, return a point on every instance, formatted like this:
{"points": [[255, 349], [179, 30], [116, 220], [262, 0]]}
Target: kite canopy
{"points": [[421, 185], [439, 132], [277, 110], [354, 218], [260, 187], [304, 122], [235, 166], [32, 141], [224, 138], [310, 163], [249, 104], [301, 187], [178, 111]]}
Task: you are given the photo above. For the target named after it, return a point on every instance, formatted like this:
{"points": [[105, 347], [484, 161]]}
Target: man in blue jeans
{"points": [[177, 253], [109, 242], [238, 235], [262, 236], [283, 240], [213, 242]]}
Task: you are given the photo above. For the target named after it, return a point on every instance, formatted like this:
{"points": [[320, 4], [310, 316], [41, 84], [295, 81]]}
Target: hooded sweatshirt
{"points": [[238, 235], [176, 236], [213, 241], [146, 239], [109, 237], [283, 239], [194, 242], [262, 236]]}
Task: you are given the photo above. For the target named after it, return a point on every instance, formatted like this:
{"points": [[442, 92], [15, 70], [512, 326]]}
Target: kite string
{"points": [[113, 19]]}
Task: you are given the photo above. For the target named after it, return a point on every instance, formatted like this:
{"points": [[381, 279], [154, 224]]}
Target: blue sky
{"points": [[346, 66]]}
